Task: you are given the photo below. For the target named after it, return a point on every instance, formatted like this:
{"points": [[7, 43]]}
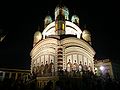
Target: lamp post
{"points": [[102, 68]]}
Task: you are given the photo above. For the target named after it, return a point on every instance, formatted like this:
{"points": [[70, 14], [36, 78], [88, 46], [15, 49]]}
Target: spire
{"points": [[60, 1], [48, 12], [60, 4], [61, 7]]}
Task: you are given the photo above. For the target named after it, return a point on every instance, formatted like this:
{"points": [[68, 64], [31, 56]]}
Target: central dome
{"points": [[64, 9], [61, 6], [69, 27]]}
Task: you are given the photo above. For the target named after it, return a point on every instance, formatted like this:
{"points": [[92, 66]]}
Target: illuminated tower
{"points": [[60, 23]]}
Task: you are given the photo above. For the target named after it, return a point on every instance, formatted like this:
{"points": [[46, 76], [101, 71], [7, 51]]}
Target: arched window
{"points": [[75, 66]]}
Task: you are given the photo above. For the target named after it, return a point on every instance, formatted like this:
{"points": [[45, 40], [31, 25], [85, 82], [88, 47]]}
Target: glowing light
{"points": [[102, 68], [63, 26]]}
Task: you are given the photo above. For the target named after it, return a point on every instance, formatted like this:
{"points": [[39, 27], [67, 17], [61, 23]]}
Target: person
{"points": [[46, 69], [49, 86], [69, 66]]}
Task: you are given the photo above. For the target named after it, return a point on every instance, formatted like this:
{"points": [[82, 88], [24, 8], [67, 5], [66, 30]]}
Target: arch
{"points": [[71, 28]]}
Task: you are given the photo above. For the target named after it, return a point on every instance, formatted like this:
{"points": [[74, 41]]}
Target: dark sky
{"points": [[20, 20]]}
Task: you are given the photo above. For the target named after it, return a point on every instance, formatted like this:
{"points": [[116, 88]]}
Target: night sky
{"points": [[20, 20]]}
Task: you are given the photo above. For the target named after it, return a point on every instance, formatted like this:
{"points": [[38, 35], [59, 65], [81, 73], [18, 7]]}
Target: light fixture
{"points": [[102, 68]]}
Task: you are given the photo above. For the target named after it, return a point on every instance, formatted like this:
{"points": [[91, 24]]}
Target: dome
{"points": [[37, 36], [47, 20], [86, 35], [86, 32], [61, 6], [75, 19], [64, 10]]}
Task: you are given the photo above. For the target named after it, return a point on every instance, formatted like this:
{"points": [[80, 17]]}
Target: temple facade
{"points": [[61, 47]]}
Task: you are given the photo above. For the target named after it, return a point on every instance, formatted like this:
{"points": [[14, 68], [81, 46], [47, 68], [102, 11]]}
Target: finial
{"points": [[48, 12], [60, 4], [85, 26]]}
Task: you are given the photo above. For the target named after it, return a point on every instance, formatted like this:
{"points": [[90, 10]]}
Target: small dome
{"points": [[86, 35], [37, 36], [75, 19], [48, 18], [86, 32]]}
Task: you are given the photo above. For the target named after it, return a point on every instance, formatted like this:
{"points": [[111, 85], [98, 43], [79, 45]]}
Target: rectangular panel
{"points": [[46, 58], [75, 58], [80, 59], [42, 59], [85, 60], [34, 62], [89, 63], [52, 58], [38, 60], [69, 57]]}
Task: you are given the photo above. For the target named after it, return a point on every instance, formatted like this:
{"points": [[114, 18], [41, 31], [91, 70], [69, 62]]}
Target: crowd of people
{"points": [[87, 81], [17, 84]]}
